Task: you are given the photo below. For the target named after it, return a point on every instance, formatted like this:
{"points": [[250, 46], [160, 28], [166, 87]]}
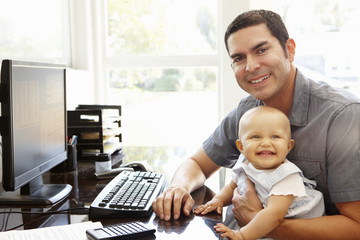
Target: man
{"points": [[325, 125]]}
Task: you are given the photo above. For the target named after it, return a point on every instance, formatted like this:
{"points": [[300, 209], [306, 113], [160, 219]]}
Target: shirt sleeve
{"points": [[343, 144], [290, 185], [221, 146]]}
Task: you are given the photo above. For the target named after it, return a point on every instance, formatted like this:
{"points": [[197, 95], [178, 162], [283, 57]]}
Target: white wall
{"points": [[229, 91], [78, 88], [81, 84]]}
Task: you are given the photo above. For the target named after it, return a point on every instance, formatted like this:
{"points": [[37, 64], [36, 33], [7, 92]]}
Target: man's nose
{"points": [[251, 64]]}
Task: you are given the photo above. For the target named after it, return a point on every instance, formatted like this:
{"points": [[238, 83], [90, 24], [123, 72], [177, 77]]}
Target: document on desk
{"points": [[75, 231]]}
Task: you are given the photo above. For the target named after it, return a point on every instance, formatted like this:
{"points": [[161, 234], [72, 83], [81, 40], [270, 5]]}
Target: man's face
{"points": [[260, 65]]}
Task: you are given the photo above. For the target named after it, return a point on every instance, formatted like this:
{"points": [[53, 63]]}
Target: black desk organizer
{"points": [[98, 128], [71, 163]]}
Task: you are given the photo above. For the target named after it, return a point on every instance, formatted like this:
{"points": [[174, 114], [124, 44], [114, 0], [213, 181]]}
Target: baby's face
{"points": [[265, 140]]}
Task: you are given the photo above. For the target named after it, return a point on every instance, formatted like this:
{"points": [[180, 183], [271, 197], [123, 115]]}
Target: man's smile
{"points": [[255, 81]]}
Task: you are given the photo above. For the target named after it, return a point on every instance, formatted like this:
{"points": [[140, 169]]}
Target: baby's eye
{"points": [[255, 137], [275, 136]]}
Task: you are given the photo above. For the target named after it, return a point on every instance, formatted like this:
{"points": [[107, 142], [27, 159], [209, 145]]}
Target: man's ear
{"points": [[240, 146], [290, 48]]}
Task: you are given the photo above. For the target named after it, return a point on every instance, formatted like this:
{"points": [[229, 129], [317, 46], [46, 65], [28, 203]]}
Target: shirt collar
{"points": [[300, 106]]}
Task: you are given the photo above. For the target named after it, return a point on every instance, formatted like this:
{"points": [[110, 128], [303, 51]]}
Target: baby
{"points": [[264, 141]]}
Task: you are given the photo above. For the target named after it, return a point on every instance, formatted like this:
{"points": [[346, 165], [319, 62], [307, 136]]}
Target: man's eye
{"points": [[262, 50], [237, 59]]}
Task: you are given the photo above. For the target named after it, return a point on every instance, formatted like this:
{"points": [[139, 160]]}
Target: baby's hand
{"points": [[214, 204], [227, 232]]}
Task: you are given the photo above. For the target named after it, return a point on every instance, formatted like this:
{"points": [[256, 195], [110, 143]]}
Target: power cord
{"points": [[64, 211], [72, 211], [4, 222], [24, 224]]}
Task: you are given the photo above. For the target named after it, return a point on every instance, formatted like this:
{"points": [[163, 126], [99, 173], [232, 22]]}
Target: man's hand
{"points": [[189, 176], [246, 206], [174, 198]]}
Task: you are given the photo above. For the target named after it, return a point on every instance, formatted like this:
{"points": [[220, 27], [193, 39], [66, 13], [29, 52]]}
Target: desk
{"points": [[86, 187]]}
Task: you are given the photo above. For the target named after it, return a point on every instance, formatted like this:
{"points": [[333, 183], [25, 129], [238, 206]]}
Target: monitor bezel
{"points": [[10, 181]]}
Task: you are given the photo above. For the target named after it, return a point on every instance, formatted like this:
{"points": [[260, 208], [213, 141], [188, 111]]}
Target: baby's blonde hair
{"points": [[263, 109]]}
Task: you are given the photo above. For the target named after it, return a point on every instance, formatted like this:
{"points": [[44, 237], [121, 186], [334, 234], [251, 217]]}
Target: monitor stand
{"points": [[36, 193]]}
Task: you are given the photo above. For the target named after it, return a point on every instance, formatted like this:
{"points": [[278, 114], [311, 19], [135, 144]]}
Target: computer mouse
{"points": [[113, 172], [142, 166]]}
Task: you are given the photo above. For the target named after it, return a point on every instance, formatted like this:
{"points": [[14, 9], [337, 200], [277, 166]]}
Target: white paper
{"points": [[75, 231]]}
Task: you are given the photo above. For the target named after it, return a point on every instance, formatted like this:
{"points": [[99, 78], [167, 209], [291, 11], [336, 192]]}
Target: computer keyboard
{"points": [[128, 195]]}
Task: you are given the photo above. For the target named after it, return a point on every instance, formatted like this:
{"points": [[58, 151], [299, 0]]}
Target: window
{"points": [[161, 27], [161, 65], [325, 32], [28, 32]]}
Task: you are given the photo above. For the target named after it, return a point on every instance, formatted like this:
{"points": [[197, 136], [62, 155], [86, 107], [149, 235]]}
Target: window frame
{"points": [[88, 48]]}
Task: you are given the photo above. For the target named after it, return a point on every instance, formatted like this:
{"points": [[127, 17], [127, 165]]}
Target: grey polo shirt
{"points": [[325, 124]]}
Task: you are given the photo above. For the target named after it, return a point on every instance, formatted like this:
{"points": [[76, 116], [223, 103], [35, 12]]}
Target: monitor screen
{"points": [[33, 128]]}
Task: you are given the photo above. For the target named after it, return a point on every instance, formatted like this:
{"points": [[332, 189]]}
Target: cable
{"points": [[24, 224], [71, 211], [64, 211], [7, 220], [3, 221]]}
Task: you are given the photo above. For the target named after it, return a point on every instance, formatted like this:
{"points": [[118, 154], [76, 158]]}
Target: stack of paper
{"points": [[75, 231]]}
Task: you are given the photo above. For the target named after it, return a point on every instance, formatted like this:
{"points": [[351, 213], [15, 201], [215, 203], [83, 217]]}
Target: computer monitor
{"points": [[33, 130]]}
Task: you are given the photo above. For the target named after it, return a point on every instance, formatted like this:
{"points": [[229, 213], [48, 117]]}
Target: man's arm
{"points": [[189, 176], [344, 226]]}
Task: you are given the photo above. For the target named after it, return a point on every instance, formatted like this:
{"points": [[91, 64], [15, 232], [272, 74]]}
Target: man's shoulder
{"points": [[313, 98], [324, 91]]}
